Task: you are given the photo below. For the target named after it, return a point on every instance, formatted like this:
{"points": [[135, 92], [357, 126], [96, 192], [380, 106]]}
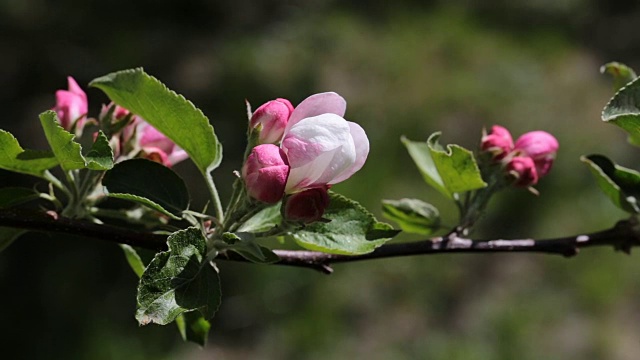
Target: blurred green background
{"points": [[405, 68]]}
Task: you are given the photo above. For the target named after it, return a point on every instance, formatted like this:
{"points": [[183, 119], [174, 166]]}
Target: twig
{"points": [[623, 236]]}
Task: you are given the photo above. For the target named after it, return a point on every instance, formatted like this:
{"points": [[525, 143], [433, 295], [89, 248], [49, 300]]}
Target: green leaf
{"points": [[193, 327], [620, 184], [451, 170], [67, 151], [621, 73], [266, 219], [351, 230], [11, 196], [244, 245], [166, 111], [148, 183], [413, 215], [14, 158], [100, 156], [623, 110], [179, 280], [133, 259], [8, 236]]}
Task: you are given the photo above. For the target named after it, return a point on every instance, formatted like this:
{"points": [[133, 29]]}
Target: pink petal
{"points": [[152, 137], [177, 155], [76, 89]]}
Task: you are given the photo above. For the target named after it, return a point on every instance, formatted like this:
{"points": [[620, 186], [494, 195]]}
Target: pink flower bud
{"points": [[523, 169], [265, 173], [306, 206], [273, 117], [158, 147], [71, 105], [499, 142], [541, 147]]}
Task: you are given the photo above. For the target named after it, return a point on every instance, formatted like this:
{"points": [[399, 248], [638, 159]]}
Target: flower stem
{"points": [[215, 198]]}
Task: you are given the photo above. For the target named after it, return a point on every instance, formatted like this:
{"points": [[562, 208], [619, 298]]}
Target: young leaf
{"points": [[623, 110], [134, 260], [264, 220], [11, 196], [179, 280], [244, 245], [9, 235], [193, 327], [67, 151], [166, 111], [451, 170], [413, 215], [620, 184], [621, 74], [148, 183], [14, 158], [351, 230], [100, 156]]}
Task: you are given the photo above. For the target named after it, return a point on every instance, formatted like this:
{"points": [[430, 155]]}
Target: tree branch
{"points": [[623, 236]]}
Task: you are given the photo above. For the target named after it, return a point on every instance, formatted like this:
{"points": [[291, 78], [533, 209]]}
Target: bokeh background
{"points": [[406, 68]]}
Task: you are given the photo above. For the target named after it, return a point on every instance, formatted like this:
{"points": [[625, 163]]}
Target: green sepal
{"points": [[621, 74], [350, 229], [449, 170], [413, 215], [67, 151], [150, 184], [620, 184], [623, 110], [179, 280], [12, 196], [170, 113], [14, 158]]}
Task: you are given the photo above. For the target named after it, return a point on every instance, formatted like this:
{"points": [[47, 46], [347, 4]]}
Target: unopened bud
{"points": [[524, 170], [307, 206], [541, 147], [265, 173], [273, 116], [499, 142]]}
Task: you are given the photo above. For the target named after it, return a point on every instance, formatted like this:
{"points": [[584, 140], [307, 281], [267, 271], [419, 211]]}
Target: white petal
{"points": [[362, 151], [319, 149], [318, 104]]}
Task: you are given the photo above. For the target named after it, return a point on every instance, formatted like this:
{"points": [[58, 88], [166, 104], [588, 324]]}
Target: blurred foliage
{"points": [[405, 68]]}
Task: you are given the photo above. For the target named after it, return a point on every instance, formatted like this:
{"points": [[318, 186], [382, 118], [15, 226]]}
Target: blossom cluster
{"points": [[136, 139], [302, 151], [528, 159]]}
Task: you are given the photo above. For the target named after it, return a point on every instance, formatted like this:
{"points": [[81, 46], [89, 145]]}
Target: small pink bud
{"points": [[273, 116], [159, 147], [71, 105], [523, 169], [307, 206], [118, 111], [265, 173], [499, 142], [157, 155], [541, 147]]}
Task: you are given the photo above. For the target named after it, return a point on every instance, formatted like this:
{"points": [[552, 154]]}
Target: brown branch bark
{"points": [[623, 236]]}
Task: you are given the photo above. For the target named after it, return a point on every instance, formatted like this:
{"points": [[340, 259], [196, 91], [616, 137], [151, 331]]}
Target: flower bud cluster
{"points": [[302, 152], [528, 159], [136, 139]]}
